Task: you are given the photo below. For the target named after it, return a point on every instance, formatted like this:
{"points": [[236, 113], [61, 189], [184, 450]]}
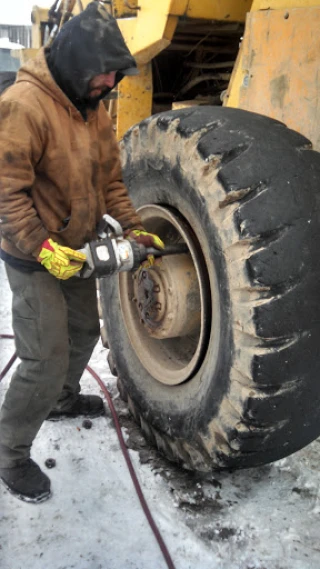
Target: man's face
{"points": [[100, 83]]}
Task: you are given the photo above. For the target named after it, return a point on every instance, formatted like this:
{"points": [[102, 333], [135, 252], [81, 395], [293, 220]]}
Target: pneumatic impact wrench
{"points": [[113, 253]]}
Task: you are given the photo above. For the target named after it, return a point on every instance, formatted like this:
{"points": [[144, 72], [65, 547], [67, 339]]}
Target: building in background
{"points": [[11, 38], [8, 63], [16, 34]]}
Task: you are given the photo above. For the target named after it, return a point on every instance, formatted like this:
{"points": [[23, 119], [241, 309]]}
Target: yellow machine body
{"points": [[150, 32], [276, 70]]}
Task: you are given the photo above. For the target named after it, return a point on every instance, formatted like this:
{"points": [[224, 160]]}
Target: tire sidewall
{"points": [[182, 408]]}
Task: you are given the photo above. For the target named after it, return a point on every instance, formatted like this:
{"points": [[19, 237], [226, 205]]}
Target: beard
{"points": [[93, 102]]}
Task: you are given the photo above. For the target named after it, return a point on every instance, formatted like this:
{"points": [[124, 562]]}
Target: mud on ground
{"points": [[264, 508]]}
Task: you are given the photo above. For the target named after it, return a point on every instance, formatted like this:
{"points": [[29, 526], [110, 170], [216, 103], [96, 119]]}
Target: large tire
{"points": [[243, 192]]}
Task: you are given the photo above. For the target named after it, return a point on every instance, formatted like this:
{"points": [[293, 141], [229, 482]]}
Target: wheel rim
{"points": [[166, 309]]}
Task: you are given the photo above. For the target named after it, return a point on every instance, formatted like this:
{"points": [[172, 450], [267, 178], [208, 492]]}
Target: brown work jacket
{"points": [[58, 173]]}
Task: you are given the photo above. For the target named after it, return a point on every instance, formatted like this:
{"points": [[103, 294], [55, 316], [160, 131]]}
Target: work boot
{"points": [[27, 482], [90, 406]]}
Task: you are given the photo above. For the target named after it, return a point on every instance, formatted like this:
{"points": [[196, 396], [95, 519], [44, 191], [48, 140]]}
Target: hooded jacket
{"points": [[60, 173], [89, 45]]}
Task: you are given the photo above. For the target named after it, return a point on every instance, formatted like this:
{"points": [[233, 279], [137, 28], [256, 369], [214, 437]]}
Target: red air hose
{"points": [[8, 366], [125, 453]]}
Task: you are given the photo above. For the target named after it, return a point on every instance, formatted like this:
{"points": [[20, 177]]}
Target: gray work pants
{"points": [[56, 327]]}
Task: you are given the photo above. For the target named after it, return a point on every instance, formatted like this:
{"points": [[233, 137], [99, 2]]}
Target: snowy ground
{"points": [[264, 518]]}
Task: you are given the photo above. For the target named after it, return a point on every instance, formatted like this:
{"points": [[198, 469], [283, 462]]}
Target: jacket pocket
{"points": [[79, 227]]}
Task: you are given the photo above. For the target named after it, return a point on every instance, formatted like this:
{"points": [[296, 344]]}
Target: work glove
{"points": [[148, 240], [61, 262]]}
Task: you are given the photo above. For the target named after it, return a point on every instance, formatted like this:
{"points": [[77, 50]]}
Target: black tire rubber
{"points": [[249, 188], [111, 365]]}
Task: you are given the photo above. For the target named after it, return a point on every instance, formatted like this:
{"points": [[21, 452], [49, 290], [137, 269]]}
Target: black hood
{"points": [[88, 45]]}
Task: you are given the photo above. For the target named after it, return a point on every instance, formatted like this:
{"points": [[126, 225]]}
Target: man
{"points": [[59, 173]]}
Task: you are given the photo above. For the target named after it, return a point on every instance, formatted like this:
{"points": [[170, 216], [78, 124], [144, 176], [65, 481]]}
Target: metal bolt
{"points": [[156, 288], [246, 80], [158, 306]]}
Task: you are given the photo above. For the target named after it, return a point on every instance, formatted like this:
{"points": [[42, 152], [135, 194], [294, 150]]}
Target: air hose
{"points": [[143, 502]]}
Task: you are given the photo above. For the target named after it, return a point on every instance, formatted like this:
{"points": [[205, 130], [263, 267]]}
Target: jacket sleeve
{"points": [[20, 150], [117, 200]]}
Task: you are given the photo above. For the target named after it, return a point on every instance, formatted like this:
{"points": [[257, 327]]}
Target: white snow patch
{"points": [[5, 43]]}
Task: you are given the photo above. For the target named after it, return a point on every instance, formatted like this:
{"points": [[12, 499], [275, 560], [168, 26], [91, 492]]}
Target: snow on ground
{"points": [[263, 518]]}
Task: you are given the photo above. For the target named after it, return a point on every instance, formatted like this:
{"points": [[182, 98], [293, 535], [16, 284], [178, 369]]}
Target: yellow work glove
{"points": [[61, 262], [148, 240]]}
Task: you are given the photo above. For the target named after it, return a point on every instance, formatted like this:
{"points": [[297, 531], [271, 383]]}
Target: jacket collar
{"points": [[36, 71]]}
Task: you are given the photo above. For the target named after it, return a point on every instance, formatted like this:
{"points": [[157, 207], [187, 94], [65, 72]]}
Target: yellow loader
{"points": [[217, 350]]}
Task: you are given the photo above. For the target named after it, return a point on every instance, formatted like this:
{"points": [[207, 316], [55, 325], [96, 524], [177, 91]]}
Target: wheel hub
{"points": [[167, 307], [169, 298]]}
